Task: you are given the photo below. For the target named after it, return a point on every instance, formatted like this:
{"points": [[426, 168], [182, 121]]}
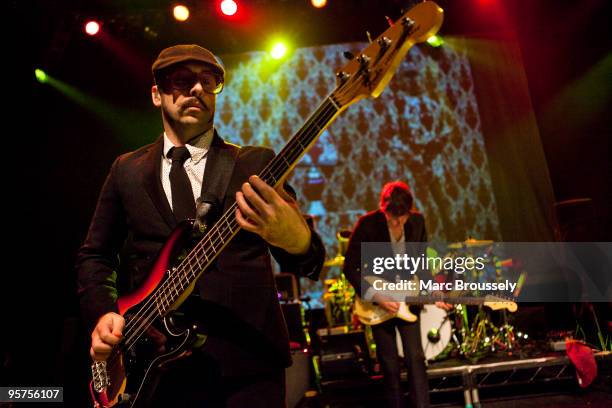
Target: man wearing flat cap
{"points": [[148, 192]]}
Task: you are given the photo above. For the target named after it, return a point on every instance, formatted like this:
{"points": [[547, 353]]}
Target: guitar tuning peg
{"points": [[369, 37], [384, 42], [348, 55], [389, 21], [408, 22], [342, 76], [363, 60]]}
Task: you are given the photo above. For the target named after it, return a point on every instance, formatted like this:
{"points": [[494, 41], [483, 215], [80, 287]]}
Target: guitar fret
{"points": [[288, 164], [156, 301], [299, 142], [165, 299], [221, 238], [331, 99], [174, 284], [178, 285], [205, 256], [229, 226], [200, 268], [197, 260], [191, 262], [188, 278]]}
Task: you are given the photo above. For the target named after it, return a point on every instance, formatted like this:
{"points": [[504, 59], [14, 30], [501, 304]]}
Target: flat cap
{"points": [[186, 52]]}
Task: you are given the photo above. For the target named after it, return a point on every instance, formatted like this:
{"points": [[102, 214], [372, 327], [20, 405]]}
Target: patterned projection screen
{"points": [[424, 129]]}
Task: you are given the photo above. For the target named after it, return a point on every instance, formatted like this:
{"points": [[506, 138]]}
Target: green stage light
{"points": [[41, 75], [279, 50], [435, 41]]}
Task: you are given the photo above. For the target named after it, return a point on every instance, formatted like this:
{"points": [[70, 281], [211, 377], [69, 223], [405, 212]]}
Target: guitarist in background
{"points": [[394, 222], [148, 192]]}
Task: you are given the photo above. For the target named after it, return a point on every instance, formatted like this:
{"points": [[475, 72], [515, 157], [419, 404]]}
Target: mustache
{"points": [[194, 102]]}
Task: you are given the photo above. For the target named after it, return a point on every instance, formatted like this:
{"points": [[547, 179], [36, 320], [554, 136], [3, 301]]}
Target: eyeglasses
{"points": [[185, 79]]}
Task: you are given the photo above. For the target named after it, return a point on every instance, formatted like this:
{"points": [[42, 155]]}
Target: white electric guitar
{"points": [[371, 313]]}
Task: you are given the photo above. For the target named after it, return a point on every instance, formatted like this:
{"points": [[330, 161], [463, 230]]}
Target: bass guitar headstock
{"points": [[370, 71]]}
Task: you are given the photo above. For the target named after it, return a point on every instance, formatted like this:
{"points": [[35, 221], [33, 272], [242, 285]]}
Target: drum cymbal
{"points": [[337, 261], [469, 243]]}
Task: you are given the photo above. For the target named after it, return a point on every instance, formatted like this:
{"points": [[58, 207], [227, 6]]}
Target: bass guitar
{"points": [[151, 337]]}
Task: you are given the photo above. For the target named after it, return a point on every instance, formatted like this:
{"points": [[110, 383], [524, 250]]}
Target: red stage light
{"points": [[92, 27], [229, 7]]}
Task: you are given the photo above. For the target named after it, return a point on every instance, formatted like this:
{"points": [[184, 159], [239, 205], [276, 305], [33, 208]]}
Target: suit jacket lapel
{"points": [[153, 185], [219, 168]]}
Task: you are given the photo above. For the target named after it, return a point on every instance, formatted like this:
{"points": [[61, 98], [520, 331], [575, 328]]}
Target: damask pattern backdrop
{"points": [[424, 129]]}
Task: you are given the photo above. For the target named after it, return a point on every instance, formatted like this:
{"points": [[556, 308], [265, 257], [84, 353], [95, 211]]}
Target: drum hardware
{"points": [[433, 335], [476, 335], [338, 298], [436, 331], [339, 295]]}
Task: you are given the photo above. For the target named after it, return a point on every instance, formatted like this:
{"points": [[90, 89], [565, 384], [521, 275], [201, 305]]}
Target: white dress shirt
{"points": [[194, 166]]}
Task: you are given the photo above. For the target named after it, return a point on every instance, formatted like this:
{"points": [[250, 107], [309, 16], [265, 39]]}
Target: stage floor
{"points": [[495, 381]]}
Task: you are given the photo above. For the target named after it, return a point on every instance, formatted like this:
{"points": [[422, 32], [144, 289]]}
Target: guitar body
{"points": [[372, 314], [129, 376]]}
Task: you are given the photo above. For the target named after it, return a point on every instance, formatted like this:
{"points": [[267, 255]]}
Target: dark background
{"points": [[566, 50]]}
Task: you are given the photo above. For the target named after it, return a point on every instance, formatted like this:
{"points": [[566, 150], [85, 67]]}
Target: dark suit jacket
{"points": [[239, 305], [372, 227]]}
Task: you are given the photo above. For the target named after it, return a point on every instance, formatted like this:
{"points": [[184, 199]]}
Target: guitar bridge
{"points": [[99, 376]]}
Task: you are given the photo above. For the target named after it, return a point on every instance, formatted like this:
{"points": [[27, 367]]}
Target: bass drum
{"points": [[436, 332]]}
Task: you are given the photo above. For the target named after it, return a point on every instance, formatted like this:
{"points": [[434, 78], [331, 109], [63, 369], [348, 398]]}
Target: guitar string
{"points": [[164, 291]]}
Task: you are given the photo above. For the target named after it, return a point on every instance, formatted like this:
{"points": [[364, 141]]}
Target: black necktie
{"points": [[183, 203]]}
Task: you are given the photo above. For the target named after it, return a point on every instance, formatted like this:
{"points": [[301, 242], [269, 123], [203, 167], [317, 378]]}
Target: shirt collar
{"points": [[197, 147], [401, 239]]}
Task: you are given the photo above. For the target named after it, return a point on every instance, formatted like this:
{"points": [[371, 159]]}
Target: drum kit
{"points": [[469, 332]]}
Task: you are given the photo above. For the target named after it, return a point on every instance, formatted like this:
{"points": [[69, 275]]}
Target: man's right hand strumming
{"points": [[106, 335]]}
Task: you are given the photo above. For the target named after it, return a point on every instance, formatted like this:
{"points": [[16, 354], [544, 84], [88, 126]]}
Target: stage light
{"points": [[318, 3], [229, 7], [435, 41], [41, 75], [92, 27], [279, 50], [181, 13]]}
